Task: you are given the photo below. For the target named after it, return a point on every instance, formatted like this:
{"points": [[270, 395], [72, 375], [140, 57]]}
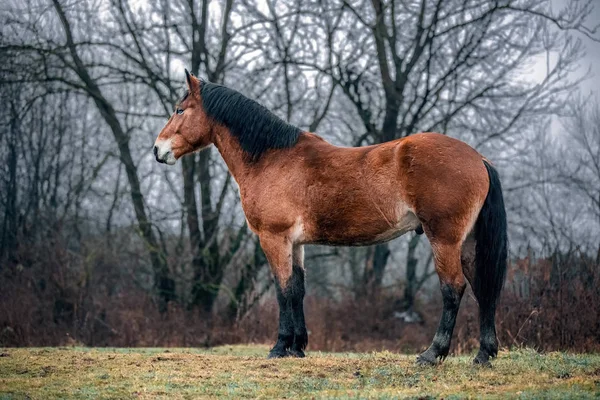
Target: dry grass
{"points": [[243, 371]]}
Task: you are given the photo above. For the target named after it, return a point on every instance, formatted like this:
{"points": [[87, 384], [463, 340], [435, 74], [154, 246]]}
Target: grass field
{"points": [[243, 371]]}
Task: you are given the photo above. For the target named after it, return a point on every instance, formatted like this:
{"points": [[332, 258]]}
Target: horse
{"points": [[298, 189]]}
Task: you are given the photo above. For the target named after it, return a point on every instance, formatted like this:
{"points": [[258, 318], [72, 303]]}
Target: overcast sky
{"points": [[592, 58]]}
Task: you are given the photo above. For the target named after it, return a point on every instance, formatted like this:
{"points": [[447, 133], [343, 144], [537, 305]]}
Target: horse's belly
{"points": [[359, 232]]}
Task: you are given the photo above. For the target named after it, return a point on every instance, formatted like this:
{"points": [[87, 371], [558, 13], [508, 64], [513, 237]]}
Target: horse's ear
{"points": [[193, 83]]}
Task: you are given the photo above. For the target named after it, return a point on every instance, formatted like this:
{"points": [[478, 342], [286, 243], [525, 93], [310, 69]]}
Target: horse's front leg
{"points": [[289, 282], [296, 291]]}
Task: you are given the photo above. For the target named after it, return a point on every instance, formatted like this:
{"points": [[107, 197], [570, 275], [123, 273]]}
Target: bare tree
{"points": [[188, 33], [59, 59], [583, 148]]}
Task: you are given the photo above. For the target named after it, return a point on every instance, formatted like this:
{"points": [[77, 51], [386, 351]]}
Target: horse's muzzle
{"points": [[156, 156], [163, 152]]}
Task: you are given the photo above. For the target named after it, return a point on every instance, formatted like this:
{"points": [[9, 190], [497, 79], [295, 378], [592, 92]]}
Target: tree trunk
{"points": [[208, 274], [8, 240], [239, 303], [207, 264], [375, 263], [411, 274], [163, 284]]}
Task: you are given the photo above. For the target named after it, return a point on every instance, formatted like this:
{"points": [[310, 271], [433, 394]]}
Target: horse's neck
{"points": [[232, 154], [237, 160]]}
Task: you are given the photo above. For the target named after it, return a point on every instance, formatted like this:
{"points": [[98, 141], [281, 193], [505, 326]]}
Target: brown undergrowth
{"points": [[548, 304]]}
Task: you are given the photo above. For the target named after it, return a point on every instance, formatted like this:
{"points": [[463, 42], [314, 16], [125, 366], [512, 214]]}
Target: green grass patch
{"points": [[244, 372]]}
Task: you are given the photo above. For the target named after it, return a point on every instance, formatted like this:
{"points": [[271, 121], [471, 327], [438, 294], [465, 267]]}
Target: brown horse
{"points": [[298, 189]]}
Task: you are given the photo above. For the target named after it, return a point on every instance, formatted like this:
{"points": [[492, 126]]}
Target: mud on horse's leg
{"points": [[448, 267]]}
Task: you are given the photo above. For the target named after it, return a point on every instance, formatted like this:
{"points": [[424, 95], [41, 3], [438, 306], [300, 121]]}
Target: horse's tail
{"points": [[491, 251]]}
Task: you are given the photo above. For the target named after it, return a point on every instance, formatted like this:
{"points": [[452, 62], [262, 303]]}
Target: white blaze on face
{"points": [[164, 152]]}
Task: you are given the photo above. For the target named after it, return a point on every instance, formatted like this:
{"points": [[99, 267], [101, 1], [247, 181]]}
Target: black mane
{"points": [[256, 128]]}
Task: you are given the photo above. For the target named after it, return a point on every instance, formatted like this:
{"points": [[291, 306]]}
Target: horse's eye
{"points": [[179, 111]]}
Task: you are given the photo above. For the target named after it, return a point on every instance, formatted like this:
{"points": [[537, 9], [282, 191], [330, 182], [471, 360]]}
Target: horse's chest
{"points": [[252, 212], [268, 211]]}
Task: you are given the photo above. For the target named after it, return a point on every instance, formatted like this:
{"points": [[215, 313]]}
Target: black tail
{"points": [[492, 245]]}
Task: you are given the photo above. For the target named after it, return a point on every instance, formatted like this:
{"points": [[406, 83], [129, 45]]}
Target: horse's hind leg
{"points": [[289, 282], [488, 343], [452, 282]]}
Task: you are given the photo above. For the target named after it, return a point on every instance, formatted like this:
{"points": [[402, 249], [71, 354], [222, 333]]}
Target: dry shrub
{"points": [[53, 297]]}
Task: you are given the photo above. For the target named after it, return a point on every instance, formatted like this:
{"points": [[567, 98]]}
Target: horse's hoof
{"points": [[296, 353], [276, 353], [482, 361], [425, 360]]}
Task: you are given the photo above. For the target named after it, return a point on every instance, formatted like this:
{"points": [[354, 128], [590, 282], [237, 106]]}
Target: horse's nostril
{"points": [[155, 151]]}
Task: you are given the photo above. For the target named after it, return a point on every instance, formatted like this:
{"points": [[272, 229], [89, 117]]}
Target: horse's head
{"points": [[188, 129]]}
